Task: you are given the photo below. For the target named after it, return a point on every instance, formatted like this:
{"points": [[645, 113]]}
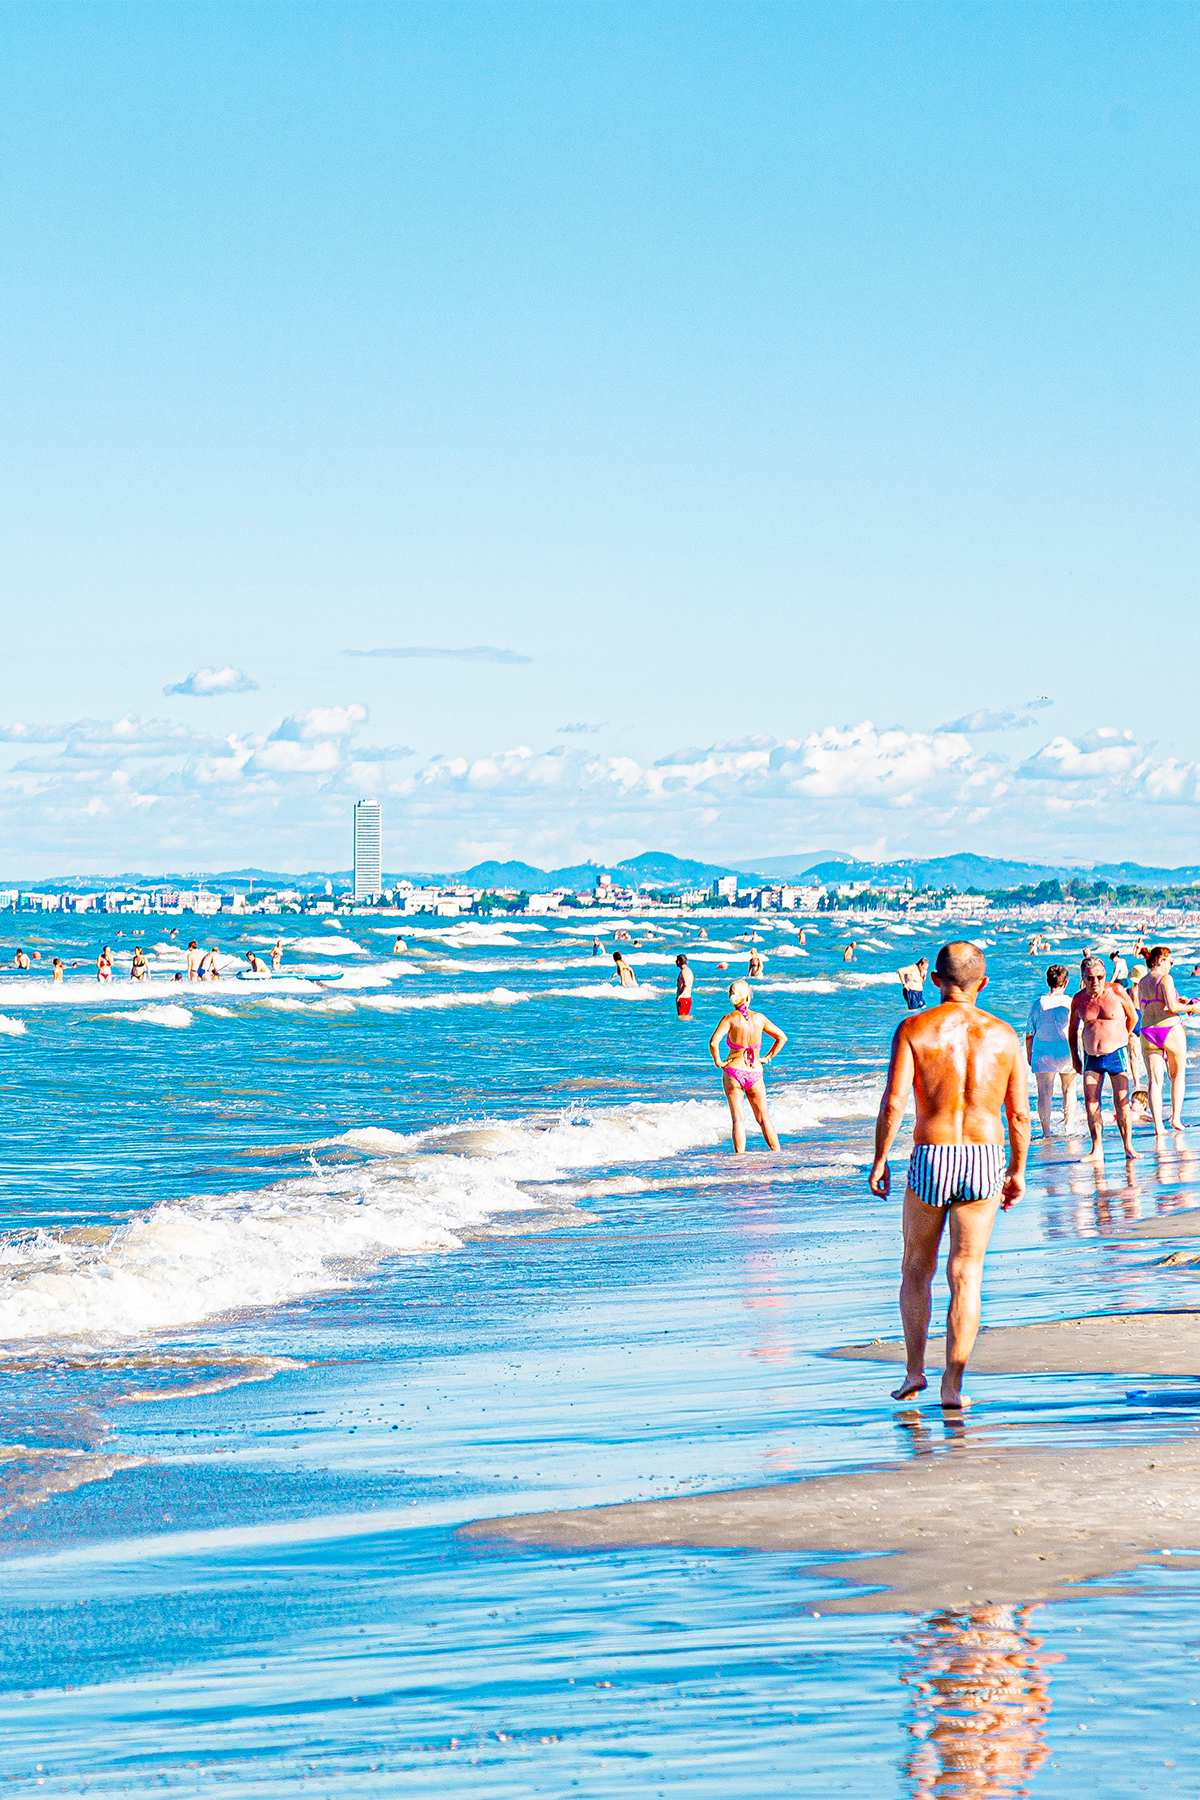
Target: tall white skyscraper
{"points": [[368, 850]]}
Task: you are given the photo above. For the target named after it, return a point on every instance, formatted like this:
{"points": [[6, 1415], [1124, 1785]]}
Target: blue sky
{"points": [[784, 383]]}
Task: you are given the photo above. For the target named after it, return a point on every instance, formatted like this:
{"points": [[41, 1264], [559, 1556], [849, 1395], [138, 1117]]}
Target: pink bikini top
{"points": [[747, 1050]]}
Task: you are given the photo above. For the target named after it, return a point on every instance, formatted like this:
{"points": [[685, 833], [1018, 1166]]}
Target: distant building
{"points": [[725, 887], [368, 850]]}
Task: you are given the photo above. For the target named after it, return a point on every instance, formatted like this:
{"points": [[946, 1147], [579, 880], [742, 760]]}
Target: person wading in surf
{"points": [[963, 1067], [742, 1070]]}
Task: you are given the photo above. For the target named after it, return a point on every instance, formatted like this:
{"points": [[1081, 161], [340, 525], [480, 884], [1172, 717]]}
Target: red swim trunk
{"points": [[683, 1006]]}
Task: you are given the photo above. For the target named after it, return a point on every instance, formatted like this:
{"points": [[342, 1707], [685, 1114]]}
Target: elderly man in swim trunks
{"points": [[1106, 1015], [964, 1068], [912, 980]]}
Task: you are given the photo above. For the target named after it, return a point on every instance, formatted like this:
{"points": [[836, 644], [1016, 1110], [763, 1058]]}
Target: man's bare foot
{"points": [[1130, 1153], [955, 1402], [1095, 1155], [912, 1384]]}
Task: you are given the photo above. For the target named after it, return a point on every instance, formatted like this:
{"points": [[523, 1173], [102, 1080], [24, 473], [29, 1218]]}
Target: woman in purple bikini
{"points": [[1162, 1035], [742, 1070]]}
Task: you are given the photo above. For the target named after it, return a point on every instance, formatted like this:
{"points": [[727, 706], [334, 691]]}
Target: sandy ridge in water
{"points": [[967, 1526], [1142, 1343], [960, 1529]]}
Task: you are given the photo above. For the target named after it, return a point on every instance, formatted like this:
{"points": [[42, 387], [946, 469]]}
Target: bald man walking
{"points": [[964, 1068]]}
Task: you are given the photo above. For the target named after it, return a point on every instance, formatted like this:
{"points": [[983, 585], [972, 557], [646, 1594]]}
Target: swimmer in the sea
{"points": [[104, 965], [193, 960], [755, 965], [398, 947], [22, 959], [683, 989], [912, 980], [703, 935], [625, 974], [848, 952], [257, 965], [742, 1070], [276, 955], [140, 968], [58, 968], [595, 946]]}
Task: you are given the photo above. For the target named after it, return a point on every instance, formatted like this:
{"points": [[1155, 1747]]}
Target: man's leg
{"points": [[971, 1223], [923, 1227], [1093, 1081], [1120, 1092]]}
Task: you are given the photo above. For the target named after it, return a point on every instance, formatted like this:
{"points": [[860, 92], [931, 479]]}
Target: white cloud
{"points": [[204, 683], [984, 720], [321, 722]]}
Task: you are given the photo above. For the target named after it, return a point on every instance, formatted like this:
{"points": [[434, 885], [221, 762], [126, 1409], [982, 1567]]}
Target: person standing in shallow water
{"points": [[683, 989], [964, 1068], [742, 1070]]}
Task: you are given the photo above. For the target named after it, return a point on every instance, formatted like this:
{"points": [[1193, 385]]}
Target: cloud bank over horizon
{"points": [[112, 794]]}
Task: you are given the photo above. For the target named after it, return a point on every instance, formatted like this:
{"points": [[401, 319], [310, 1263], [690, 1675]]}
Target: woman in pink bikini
{"points": [[1162, 1035], [742, 1070]]}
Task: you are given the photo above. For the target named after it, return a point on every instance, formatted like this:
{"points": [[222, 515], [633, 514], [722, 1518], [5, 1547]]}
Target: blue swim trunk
{"points": [[1113, 1062], [940, 1174], [914, 999]]}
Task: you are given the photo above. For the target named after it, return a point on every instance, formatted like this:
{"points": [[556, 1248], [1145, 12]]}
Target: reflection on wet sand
{"points": [[1093, 1200], [980, 1686]]}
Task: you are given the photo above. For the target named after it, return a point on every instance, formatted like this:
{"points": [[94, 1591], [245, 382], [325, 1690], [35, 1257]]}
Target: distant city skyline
{"points": [[731, 429]]}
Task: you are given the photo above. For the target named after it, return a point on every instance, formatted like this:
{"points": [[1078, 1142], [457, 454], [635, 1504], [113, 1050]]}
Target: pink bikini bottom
{"points": [[745, 1078]]}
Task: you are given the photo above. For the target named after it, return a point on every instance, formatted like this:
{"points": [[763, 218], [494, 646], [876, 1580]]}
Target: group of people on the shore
{"points": [[1126, 1024]]}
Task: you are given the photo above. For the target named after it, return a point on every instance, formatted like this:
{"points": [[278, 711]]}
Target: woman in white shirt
{"points": [[1048, 1051]]}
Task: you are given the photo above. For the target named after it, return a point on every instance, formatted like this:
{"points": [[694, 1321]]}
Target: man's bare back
{"points": [[962, 1062]]}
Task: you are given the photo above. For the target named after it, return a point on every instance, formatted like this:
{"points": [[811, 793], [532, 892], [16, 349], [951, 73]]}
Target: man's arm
{"points": [[1130, 1008], [1016, 1109], [891, 1109], [1073, 1036]]}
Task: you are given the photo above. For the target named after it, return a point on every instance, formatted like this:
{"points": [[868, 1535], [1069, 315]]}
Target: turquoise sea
{"points": [[297, 1276]]}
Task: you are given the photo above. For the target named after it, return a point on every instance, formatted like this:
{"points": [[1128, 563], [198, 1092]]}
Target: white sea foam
{"points": [[175, 1017], [411, 1003], [812, 984], [605, 990], [216, 1012], [342, 946], [11, 1027]]}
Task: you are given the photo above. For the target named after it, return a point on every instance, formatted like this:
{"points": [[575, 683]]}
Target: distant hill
{"points": [[963, 870], [651, 865], [988, 873]]}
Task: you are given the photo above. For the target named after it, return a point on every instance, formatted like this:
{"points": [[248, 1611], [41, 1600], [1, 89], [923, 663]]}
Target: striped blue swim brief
{"points": [[940, 1174]]}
